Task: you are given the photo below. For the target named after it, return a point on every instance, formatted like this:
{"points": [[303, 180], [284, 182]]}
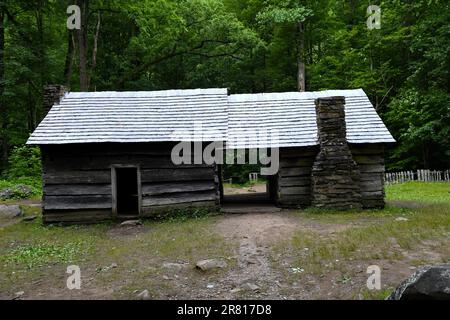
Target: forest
{"points": [[248, 46]]}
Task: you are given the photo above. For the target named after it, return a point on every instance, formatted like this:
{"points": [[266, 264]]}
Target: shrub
{"points": [[22, 188], [23, 176], [24, 161]]}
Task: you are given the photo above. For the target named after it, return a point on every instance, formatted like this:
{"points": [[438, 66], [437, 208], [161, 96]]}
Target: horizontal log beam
{"points": [[77, 189], [177, 187], [77, 216], [77, 177], [178, 198], [179, 174], [77, 202]]}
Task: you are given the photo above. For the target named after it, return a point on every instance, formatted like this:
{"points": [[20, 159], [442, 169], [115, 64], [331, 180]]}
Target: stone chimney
{"points": [[52, 96], [335, 175]]}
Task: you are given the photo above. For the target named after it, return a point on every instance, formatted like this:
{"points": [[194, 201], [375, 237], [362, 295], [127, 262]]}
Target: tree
{"points": [[290, 12], [248, 46]]}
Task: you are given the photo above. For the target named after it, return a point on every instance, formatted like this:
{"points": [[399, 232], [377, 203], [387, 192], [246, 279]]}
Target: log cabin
{"points": [[108, 155]]}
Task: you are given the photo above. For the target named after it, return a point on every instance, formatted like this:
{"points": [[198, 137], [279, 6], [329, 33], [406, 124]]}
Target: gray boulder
{"points": [[131, 223], [428, 283], [10, 211], [211, 264]]}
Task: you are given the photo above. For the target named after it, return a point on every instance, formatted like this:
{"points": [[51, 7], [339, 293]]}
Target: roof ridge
{"points": [[296, 95], [146, 94]]}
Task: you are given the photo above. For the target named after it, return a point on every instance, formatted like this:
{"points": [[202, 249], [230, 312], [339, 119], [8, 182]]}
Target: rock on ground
{"points": [[250, 287], [211, 264], [30, 218], [10, 211], [131, 223], [144, 295], [428, 283]]}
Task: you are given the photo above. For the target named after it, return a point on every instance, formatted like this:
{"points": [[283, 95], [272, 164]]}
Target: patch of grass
{"points": [[424, 192], [333, 216], [30, 245], [189, 240], [372, 241], [38, 255], [31, 251], [376, 294]]}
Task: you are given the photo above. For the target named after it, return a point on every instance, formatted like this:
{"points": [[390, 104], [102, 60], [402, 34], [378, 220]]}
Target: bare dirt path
{"points": [[254, 234]]}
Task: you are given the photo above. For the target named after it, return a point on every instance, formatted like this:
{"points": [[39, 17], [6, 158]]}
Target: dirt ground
{"points": [[254, 271], [257, 188], [269, 254]]}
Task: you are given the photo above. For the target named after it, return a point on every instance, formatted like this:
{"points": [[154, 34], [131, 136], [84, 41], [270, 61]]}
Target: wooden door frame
{"points": [[114, 187]]}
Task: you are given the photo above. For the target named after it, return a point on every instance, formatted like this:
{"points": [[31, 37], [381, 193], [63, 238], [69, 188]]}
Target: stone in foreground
{"points": [[144, 295], [428, 283], [211, 264], [10, 211], [131, 223]]}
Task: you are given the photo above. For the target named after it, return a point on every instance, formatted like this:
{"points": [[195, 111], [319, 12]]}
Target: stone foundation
{"points": [[335, 177]]}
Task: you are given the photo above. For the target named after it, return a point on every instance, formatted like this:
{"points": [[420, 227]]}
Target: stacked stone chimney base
{"points": [[335, 175], [52, 96]]}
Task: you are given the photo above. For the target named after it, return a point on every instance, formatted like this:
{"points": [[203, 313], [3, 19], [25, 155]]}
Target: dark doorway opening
{"points": [[127, 191]]}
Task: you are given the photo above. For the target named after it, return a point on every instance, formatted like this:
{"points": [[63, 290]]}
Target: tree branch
{"points": [[173, 54]]}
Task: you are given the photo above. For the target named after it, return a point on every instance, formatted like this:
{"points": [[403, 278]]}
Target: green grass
{"points": [[31, 244], [427, 223], [38, 255], [31, 250], [424, 192], [376, 294], [372, 235]]}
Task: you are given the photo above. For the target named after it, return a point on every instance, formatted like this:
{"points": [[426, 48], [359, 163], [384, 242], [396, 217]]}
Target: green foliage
{"points": [[16, 191], [239, 173], [247, 46], [23, 177], [25, 162], [283, 12]]}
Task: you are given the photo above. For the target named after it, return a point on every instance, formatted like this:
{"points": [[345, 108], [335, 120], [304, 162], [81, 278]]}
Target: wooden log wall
{"points": [[294, 178], [77, 181], [370, 160]]}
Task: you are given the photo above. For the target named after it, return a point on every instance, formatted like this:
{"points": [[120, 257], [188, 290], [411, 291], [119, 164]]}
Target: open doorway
{"points": [[243, 184], [127, 191]]}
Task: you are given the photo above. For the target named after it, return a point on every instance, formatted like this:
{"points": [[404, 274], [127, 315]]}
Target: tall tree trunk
{"points": [[68, 67], [83, 44], [301, 72], [31, 110], [95, 49], [3, 110], [40, 45], [41, 68]]}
